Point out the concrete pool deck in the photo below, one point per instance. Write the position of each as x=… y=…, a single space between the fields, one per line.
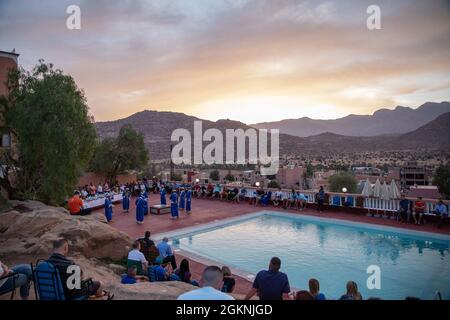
x=210 y=211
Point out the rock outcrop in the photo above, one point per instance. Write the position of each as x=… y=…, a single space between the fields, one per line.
x=28 y=230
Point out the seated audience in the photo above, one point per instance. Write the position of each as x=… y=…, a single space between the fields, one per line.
x=146 y=243
x=184 y=273
x=22 y=278
x=75 y=205
x=242 y=194
x=304 y=295
x=301 y=200
x=419 y=210
x=137 y=256
x=290 y=200
x=352 y=292
x=278 y=197
x=166 y=252
x=59 y=260
x=441 y=211
x=271 y=284
x=228 y=280
x=161 y=272
x=314 y=289
x=210 y=285
x=404 y=212
x=131 y=277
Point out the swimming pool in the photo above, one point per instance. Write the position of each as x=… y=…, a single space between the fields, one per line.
x=333 y=251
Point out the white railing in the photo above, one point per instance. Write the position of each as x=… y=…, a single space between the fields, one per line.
x=335 y=198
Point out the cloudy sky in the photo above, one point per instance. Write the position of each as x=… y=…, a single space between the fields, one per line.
x=248 y=60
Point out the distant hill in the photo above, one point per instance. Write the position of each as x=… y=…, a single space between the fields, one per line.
x=157 y=128
x=384 y=121
x=435 y=133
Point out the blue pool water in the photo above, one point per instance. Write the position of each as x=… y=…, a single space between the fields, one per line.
x=331 y=252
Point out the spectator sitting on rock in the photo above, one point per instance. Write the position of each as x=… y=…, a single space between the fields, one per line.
x=60 y=261
x=131 y=277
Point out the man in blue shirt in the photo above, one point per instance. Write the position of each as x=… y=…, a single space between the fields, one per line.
x=271 y=284
x=166 y=252
x=131 y=277
x=441 y=211
x=404 y=212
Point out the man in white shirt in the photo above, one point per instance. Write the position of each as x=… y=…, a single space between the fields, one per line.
x=137 y=255
x=210 y=283
x=100 y=189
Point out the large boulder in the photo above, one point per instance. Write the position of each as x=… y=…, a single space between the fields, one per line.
x=29 y=230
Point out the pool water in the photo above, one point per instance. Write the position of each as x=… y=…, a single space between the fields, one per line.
x=330 y=251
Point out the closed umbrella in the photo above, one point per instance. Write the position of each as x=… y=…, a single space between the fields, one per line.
x=376 y=192
x=367 y=190
x=395 y=193
x=385 y=196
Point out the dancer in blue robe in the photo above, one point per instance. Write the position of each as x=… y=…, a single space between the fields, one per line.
x=146 y=198
x=182 y=199
x=163 y=196
x=140 y=203
x=188 y=200
x=174 y=204
x=126 y=201
x=108 y=208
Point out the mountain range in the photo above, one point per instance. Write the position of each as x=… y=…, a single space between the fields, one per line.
x=384 y=121
x=157 y=128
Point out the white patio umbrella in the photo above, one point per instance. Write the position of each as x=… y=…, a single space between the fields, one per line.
x=385 y=194
x=394 y=192
x=376 y=192
x=367 y=190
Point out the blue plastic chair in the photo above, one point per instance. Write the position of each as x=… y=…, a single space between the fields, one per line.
x=48 y=283
x=266 y=199
x=350 y=201
x=336 y=201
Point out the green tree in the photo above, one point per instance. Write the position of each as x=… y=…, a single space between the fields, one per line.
x=49 y=116
x=177 y=177
x=114 y=156
x=273 y=184
x=214 y=175
x=230 y=177
x=442 y=180
x=342 y=180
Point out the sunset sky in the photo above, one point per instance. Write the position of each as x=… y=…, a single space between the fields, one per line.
x=247 y=60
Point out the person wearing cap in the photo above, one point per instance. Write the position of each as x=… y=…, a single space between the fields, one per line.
x=108 y=207
x=174 y=205
x=166 y=252
x=188 y=200
x=75 y=205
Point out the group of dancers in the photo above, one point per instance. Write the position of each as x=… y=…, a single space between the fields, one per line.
x=180 y=200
